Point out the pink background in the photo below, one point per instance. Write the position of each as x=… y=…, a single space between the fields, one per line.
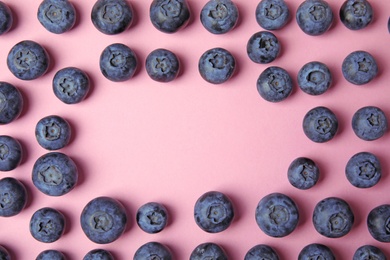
x=140 y=140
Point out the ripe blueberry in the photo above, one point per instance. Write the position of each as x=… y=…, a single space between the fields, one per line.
x=153 y=250
x=369 y=123
x=71 y=85
x=303 y=173
x=263 y=47
x=11 y=103
x=359 y=67
x=51 y=254
x=208 y=250
x=6 y=18
x=363 y=170
x=47 y=225
x=316 y=251
x=152 y=217
x=53 y=132
x=10 y=153
x=368 y=252
x=272 y=14
x=98 y=254
x=13 y=197
x=320 y=124
x=261 y=251
x=4 y=254
x=378 y=223
x=169 y=16
x=314 y=78
x=162 y=65
x=219 y=16
x=274 y=84
x=57 y=16
x=356 y=14
x=314 y=17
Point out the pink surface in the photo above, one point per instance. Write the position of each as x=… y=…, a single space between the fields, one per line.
x=140 y=140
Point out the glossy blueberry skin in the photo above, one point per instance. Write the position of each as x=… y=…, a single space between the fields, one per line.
x=333 y=217
x=359 y=68
x=261 y=251
x=263 y=47
x=47 y=225
x=10 y=153
x=320 y=124
x=219 y=16
x=213 y=212
x=208 y=250
x=51 y=255
x=153 y=250
x=303 y=173
x=363 y=170
x=314 y=17
x=71 y=85
x=13 y=197
x=217 y=65
x=152 y=217
x=272 y=14
x=4 y=254
x=11 y=103
x=28 y=60
x=369 y=123
x=103 y=220
x=169 y=16
x=356 y=14
x=368 y=252
x=274 y=84
x=316 y=251
x=53 y=132
x=314 y=78
x=277 y=215
x=6 y=18
x=98 y=254
x=118 y=62
x=162 y=65
x=57 y=16
x=378 y=223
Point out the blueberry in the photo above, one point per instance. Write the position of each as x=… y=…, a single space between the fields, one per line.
x=219 y=16
x=98 y=254
x=28 y=60
x=260 y=252
x=53 y=132
x=217 y=65
x=153 y=250
x=359 y=67
x=303 y=173
x=274 y=84
x=152 y=217
x=51 y=255
x=320 y=124
x=263 y=47
x=208 y=250
x=272 y=14
x=316 y=251
x=277 y=215
x=169 y=16
x=388 y=25
x=10 y=153
x=213 y=212
x=162 y=65
x=13 y=197
x=378 y=223
x=47 y=225
x=6 y=18
x=368 y=252
x=112 y=16
x=363 y=170
x=369 y=123
x=333 y=217
x=11 y=103
x=103 y=220
x=118 y=62
x=57 y=16
x=4 y=254
x=356 y=14
x=314 y=17
x=71 y=85
x=314 y=78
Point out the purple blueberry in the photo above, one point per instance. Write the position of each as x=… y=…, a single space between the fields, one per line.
x=272 y=14
x=369 y=252
x=6 y=18
x=208 y=250
x=356 y=14
x=369 y=123
x=359 y=68
x=260 y=252
x=98 y=254
x=153 y=250
x=363 y=170
x=13 y=197
x=274 y=84
x=303 y=173
x=47 y=225
x=152 y=217
x=263 y=47
x=51 y=254
x=219 y=16
x=320 y=124
x=314 y=78
x=56 y=16
x=314 y=17
x=162 y=65
x=53 y=132
x=10 y=153
x=378 y=223
x=4 y=254
x=316 y=251
x=169 y=16
x=71 y=85
x=11 y=103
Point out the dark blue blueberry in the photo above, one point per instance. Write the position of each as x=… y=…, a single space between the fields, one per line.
x=314 y=17
x=153 y=250
x=118 y=62
x=363 y=170
x=47 y=225
x=4 y=254
x=71 y=85
x=51 y=255
x=57 y=16
x=169 y=16
x=162 y=65
x=28 y=60
x=53 y=132
x=213 y=212
x=152 y=217
x=219 y=16
x=320 y=124
x=359 y=67
x=303 y=173
x=11 y=103
x=217 y=65
x=272 y=14
x=98 y=254
x=13 y=197
x=260 y=252
x=378 y=223
x=333 y=217
x=274 y=84
x=103 y=220
x=10 y=153
x=208 y=250
x=263 y=47
x=369 y=123
x=316 y=251
x=277 y=215
x=112 y=16
x=356 y=14
x=368 y=252
x=314 y=78
x=6 y=18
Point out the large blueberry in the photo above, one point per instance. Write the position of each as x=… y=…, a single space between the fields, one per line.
x=356 y=14
x=103 y=220
x=71 y=85
x=57 y=16
x=98 y=254
x=47 y=225
x=4 y=254
x=219 y=16
x=333 y=217
x=11 y=103
x=53 y=132
x=152 y=217
x=169 y=16
x=213 y=212
x=272 y=14
x=260 y=252
x=316 y=251
x=314 y=17
x=303 y=173
x=369 y=123
x=13 y=197
x=277 y=215
x=162 y=65
x=153 y=250
x=368 y=252
x=208 y=250
x=320 y=124
x=359 y=67
x=274 y=84
x=314 y=78
x=28 y=60
x=378 y=223
x=6 y=18
x=363 y=170
x=51 y=254
x=263 y=47
x=10 y=153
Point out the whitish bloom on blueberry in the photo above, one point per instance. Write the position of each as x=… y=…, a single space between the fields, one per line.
x=51 y=175
x=53 y=13
x=112 y=13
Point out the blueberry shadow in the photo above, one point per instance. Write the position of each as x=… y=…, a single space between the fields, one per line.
x=129 y=215
x=173 y=252
x=29 y=195
x=15 y=17
x=77 y=14
x=140 y=62
x=192 y=15
x=236 y=206
x=385 y=167
x=136 y=10
x=181 y=66
x=52 y=59
x=171 y=216
x=80 y=170
x=73 y=130
x=11 y=251
x=92 y=85
x=359 y=215
x=240 y=16
x=26 y=102
x=25 y=152
x=302 y=211
x=68 y=223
